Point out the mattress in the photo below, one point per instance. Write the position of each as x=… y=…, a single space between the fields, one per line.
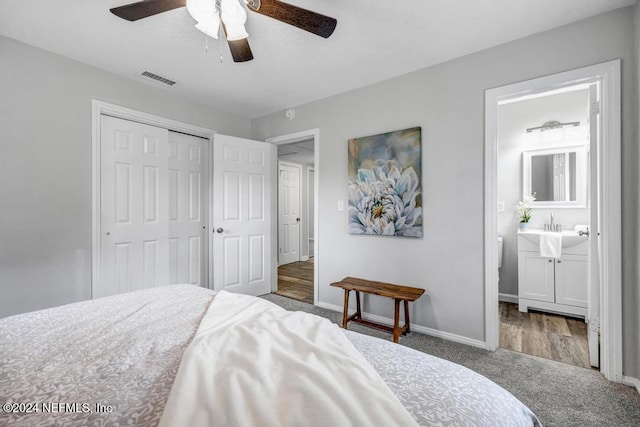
x=113 y=361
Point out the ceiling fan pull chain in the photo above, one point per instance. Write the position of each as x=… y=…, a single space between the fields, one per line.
x=220 y=34
x=220 y=43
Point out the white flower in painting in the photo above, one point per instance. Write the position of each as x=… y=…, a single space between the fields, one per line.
x=383 y=201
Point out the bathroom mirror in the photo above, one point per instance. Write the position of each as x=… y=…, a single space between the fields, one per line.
x=557 y=177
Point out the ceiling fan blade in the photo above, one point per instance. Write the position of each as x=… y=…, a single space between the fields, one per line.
x=304 y=19
x=146 y=8
x=240 y=50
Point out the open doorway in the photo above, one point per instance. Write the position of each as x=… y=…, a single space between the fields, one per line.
x=296 y=219
x=602 y=274
x=543 y=152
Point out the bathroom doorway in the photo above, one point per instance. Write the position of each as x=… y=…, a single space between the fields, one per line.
x=543 y=149
x=581 y=183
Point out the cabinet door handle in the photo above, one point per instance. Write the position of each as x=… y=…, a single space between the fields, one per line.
x=559 y=261
x=550 y=260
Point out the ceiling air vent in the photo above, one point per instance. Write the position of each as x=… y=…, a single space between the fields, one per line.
x=157 y=78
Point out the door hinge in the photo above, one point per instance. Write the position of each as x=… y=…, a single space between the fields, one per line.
x=595 y=107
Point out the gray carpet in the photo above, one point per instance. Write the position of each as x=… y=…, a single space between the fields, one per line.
x=559 y=394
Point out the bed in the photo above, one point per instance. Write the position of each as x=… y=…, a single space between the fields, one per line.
x=141 y=359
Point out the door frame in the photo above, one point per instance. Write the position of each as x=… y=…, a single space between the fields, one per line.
x=299 y=167
x=608 y=74
x=100 y=108
x=311 y=213
x=288 y=139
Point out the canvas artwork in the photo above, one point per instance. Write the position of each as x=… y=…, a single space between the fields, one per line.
x=385 y=184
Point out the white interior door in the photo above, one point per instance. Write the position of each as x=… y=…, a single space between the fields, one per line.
x=134 y=207
x=288 y=213
x=188 y=207
x=595 y=245
x=242 y=180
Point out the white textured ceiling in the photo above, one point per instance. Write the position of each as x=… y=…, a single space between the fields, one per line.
x=298 y=152
x=375 y=40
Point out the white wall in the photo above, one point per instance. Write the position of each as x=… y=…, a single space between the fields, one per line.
x=45 y=168
x=447 y=100
x=513 y=120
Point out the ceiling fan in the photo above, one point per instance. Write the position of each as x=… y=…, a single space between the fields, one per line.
x=209 y=14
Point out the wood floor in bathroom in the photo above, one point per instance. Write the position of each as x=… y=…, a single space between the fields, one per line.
x=295 y=281
x=551 y=336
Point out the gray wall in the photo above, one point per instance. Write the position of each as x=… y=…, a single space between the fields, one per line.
x=631 y=290
x=513 y=120
x=447 y=100
x=45 y=168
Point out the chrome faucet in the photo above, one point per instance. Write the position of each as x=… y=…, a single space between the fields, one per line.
x=552 y=226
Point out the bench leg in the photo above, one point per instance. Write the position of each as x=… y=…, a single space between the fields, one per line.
x=358 y=312
x=396 y=321
x=406 y=316
x=345 y=315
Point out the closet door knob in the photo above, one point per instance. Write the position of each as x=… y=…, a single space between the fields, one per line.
x=219 y=230
x=559 y=261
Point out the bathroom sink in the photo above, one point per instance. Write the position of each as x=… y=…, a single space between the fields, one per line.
x=569 y=238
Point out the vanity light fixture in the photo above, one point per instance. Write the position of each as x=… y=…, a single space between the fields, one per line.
x=553 y=124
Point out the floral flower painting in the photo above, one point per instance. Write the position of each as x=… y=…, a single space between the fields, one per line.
x=385 y=190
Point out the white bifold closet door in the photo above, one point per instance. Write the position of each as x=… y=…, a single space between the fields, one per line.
x=153 y=203
x=188 y=208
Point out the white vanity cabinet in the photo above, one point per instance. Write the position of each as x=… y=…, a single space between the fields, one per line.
x=553 y=284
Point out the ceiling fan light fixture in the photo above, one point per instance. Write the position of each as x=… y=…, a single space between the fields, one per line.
x=233 y=16
x=207 y=16
x=211 y=28
x=236 y=32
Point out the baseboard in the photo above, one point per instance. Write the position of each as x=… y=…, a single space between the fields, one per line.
x=631 y=381
x=304 y=258
x=508 y=298
x=417 y=328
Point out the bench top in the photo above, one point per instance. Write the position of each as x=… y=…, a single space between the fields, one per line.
x=388 y=290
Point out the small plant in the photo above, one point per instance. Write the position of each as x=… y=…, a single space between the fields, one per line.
x=523 y=208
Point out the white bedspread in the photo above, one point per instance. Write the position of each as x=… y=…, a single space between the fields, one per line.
x=253 y=363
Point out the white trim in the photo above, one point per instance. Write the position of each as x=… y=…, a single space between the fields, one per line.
x=99 y=108
x=492 y=316
x=416 y=328
x=309 y=213
x=508 y=298
x=288 y=139
x=631 y=381
x=608 y=74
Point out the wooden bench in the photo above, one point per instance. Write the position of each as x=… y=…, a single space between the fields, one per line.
x=396 y=292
